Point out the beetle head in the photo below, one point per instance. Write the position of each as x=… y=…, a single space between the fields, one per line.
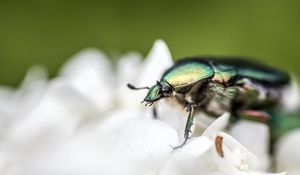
x=161 y=90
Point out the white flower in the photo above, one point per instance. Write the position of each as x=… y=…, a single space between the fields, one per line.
x=288 y=154
x=86 y=121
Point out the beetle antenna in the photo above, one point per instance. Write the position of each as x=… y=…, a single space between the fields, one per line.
x=130 y=86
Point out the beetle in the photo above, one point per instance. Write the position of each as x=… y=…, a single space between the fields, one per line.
x=216 y=85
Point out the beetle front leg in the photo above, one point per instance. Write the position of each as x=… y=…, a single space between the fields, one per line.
x=189 y=123
x=154 y=112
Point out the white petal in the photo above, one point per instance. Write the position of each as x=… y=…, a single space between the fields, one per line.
x=52 y=111
x=128 y=69
x=143 y=145
x=219 y=124
x=7 y=103
x=35 y=75
x=15 y=104
x=43 y=134
x=116 y=120
x=291 y=96
x=255 y=136
x=32 y=89
x=138 y=144
x=173 y=115
x=147 y=137
x=194 y=148
x=186 y=159
x=236 y=157
x=260 y=173
x=79 y=154
x=288 y=154
x=158 y=60
x=90 y=73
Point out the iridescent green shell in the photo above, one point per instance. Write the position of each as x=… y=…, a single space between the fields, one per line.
x=153 y=93
x=187 y=73
x=224 y=73
x=255 y=71
x=272 y=78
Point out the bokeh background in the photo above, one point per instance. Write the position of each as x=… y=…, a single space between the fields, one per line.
x=48 y=32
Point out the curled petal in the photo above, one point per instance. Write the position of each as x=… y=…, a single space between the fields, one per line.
x=157 y=61
x=255 y=136
x=235 y=156
x=218 y=125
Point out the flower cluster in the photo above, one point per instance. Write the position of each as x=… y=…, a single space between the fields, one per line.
x=86 y=121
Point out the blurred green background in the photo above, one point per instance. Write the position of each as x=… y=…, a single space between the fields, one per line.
x=48 y=32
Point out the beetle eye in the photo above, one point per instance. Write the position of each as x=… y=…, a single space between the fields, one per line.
x=166 y=91
x=163 y=89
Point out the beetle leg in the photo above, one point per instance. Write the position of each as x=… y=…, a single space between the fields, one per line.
x=154 y=112
x=189 y=123
x=259 y=116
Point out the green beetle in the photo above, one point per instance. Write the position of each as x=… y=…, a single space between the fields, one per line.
x=216 y=86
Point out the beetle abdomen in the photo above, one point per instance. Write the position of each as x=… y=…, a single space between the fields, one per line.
x=267 y=78
x=258 y=72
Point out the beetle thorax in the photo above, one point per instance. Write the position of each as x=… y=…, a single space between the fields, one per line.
x=191 y=94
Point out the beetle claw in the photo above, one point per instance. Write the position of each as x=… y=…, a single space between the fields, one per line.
x=181 y=145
